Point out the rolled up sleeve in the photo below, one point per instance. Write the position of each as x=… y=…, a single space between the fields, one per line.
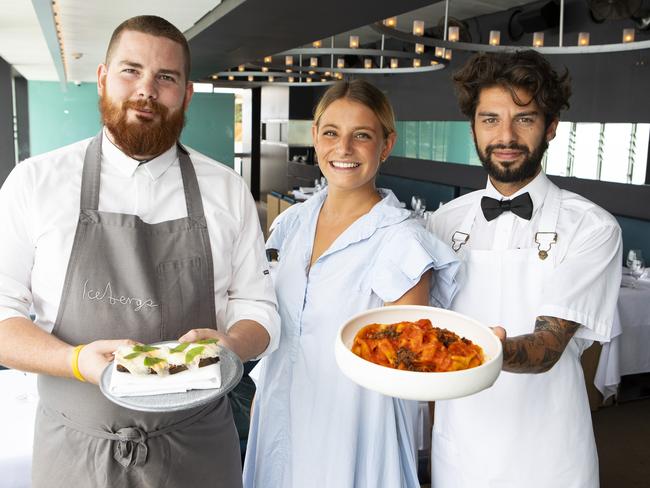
x=16 y=246
x=251 y=295
x=584 y=286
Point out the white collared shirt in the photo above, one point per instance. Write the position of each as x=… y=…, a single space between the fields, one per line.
x=39 y=209
x=584 y=284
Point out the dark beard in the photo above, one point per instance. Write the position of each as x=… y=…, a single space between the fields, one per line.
x=526 y=171
x=145 y=138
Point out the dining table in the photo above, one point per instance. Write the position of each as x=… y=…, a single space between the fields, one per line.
x=17 y=414
x=628 y=351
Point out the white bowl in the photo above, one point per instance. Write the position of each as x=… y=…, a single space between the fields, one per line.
x=414 y=385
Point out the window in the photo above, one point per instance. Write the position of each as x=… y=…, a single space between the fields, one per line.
x=616 y=152
x=606 y=152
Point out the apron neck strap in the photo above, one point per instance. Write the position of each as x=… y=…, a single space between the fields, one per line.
x=546 y=235
x=550 y=210
x=90 y=175
x=90 y=179
x=190 y=184
x=461 y=236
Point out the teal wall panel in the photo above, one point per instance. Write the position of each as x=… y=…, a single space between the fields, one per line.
x=445 y=141
x=411 y=139
x=57 y=118
x=210 y=126
x=398 y=148
x=459 y=143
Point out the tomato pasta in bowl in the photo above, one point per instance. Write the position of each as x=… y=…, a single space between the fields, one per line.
x=416 y=346
x=418 y=353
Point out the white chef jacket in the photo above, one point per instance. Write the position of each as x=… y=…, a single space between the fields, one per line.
x=584 y=285
x=39 y=209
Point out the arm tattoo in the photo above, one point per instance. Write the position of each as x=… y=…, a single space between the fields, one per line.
x=539 y=351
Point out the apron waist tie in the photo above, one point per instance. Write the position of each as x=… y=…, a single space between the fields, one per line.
x=131 y=446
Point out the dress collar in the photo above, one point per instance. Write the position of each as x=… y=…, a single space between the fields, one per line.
x=384 y=213
x=126 y=165
x=537 y=189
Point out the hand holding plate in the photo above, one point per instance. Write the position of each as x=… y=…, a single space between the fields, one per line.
x=94 y=357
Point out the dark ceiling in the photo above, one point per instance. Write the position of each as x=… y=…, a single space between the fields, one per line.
x=240 y=31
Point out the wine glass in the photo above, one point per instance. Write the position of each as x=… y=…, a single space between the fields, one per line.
x=418 y=206
x=633 y=254
x=637 y=267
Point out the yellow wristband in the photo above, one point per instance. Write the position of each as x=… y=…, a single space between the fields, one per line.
x=75 y=363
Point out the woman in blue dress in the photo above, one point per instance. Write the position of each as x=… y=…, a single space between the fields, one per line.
x=349 y=248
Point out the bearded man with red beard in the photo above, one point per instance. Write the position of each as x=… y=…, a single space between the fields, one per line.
x=126 y=237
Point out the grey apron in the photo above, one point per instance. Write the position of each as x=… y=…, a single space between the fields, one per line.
x=147 y=282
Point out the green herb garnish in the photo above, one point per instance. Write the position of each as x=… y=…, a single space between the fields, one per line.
x=208 y=341
x=133 y=355
x=149 y=362
x=192 y=353
x=144 y=348
x=180 y=348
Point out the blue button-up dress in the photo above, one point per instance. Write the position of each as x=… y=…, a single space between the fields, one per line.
x=311 y=426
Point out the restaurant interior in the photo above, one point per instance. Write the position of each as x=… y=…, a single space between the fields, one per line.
x=259 y=68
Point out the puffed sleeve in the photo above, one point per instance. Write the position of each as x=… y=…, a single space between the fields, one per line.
x=16 y=244
x=584 y=286
x=406 y=254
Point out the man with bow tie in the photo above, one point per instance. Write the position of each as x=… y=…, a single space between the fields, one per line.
x=545 y=265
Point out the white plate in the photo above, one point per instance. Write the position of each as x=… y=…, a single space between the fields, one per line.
x=413 y=385
x=231 y=373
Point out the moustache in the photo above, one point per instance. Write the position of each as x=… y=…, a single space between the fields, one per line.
x=148 y=105
x=513 y=146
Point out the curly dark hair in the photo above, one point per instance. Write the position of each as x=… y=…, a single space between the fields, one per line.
x=526 y=69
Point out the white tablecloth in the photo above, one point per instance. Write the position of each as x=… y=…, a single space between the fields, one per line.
x=17 y=413
x=629 y=350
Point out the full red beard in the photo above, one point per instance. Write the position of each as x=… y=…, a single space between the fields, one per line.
x=146 y=138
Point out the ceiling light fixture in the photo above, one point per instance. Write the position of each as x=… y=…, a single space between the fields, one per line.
x=390 y=22
x=454 y=33
x=324 y=65
x=418 y=27
x=628 y=42
x=495 y=38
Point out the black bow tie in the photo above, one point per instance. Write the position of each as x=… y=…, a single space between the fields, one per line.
x=522 y=206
